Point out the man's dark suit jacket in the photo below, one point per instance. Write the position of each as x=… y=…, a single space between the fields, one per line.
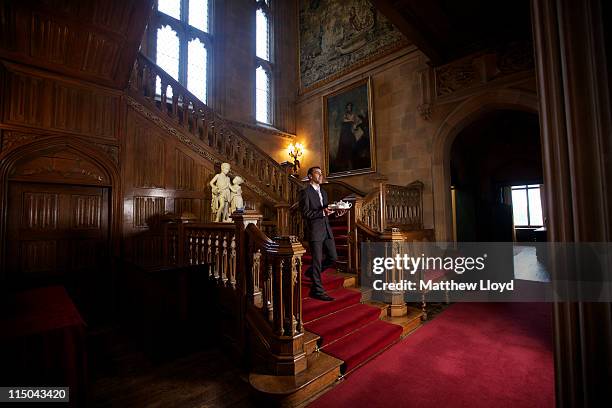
x=316 y=225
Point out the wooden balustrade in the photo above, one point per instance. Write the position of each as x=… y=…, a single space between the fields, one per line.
x=392 y=206
x=389 y=213
x=404 y=206
x=187 y=243
x=164 y=95
x=262 y=275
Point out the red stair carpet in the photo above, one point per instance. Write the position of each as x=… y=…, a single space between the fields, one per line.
x=349 y=330
x=472 y=355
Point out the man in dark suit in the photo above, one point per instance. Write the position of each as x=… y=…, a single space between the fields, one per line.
x=313 y=205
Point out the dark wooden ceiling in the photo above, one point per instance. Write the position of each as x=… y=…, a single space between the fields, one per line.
x=448 y=29
x=94 y=40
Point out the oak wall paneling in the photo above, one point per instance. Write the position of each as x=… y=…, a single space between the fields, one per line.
x=96 y=41
x=47 y=102
x=161 y=176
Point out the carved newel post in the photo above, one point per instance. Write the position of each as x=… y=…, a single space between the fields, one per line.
x=395 y=298
x=245 y=281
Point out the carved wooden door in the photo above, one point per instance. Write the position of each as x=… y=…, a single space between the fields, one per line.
x=59 y=233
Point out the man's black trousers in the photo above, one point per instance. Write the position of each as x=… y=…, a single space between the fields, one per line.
x=318 y=265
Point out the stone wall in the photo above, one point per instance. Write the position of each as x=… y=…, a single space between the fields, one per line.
x=410 y=122
x=234 y=67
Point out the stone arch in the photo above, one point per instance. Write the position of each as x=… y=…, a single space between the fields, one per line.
x=97 y=158
x=458 y=119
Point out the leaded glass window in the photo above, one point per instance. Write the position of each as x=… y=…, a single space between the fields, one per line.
x=263 y=58
x=181 y=43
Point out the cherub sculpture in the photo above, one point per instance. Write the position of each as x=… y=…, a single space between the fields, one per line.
x=237 y=203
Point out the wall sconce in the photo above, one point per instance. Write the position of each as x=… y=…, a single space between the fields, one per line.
x=295 y=152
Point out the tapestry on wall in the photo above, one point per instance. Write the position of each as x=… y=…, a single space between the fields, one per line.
x=337 y=36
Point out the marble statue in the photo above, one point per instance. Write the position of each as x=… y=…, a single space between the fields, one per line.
x=221 y=194
x=237 y=203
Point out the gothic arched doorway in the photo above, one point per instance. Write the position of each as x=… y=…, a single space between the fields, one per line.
x=462 y=116
x=493 y=159
x=59 y=224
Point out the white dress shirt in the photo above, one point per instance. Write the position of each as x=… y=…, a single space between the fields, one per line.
x=317 y=188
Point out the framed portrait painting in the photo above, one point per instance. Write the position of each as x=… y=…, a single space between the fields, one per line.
x=348 y=130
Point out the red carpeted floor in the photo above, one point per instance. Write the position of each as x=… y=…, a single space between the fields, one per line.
x=349 y=330
x=471 y=355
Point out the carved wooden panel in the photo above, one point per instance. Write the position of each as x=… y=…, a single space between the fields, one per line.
x=149 y=172
x=185 y=171
x=182 y=205
x=57 y=105
x=206 y=213
x=85 y=253
x=147 y=249
x=113 y=15
x=203 y=177
x=85 y=211
x=55 y=230
x=38 y=256
x=12 y=139
x=25 y=100
x=111 y=151
x=61 y=166
x=92 y=40
x=83 y=111
x=40 y=211
x=147 y=210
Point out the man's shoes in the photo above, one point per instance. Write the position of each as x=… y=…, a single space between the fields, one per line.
x=322 y=296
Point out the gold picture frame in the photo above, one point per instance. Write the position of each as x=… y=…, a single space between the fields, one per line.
x=349 y=141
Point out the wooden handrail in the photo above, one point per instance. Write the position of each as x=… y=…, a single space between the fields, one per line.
x=261 y=276
x=263 y=175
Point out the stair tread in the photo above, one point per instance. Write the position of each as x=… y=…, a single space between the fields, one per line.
x=327 y=275
x=318 y=364
x=334 y=327
x=364 y=343
x=310 y=336
x=330 y=280
x=313 y=308
x=331 y=269
x=338 y=228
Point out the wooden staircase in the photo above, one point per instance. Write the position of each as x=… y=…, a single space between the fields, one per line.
x=294 y=346
x=340 y=336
